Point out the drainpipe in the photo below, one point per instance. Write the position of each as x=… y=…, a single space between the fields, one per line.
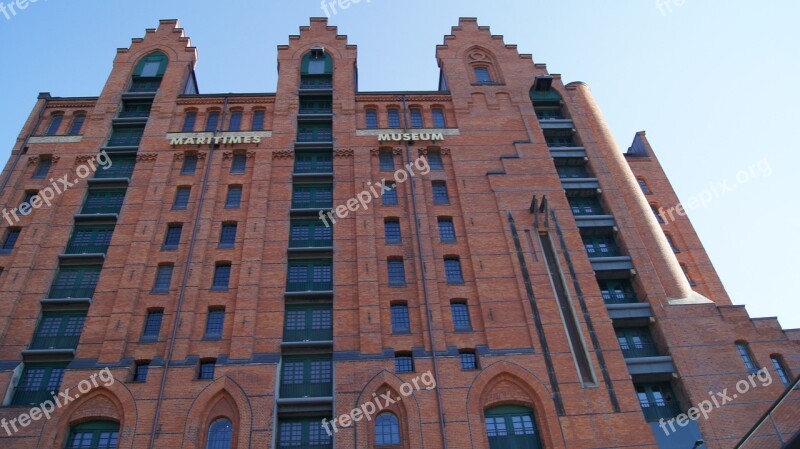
x=424 y=283
x=212 y=146
x=24 y=148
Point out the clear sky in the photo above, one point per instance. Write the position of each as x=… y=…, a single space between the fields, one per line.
x=714 y=84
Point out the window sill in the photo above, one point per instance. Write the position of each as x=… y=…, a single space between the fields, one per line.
x=5 y=251
x=232 y=207
x=219 y=289
x=439 y=203
x=169 y=248
x=455 y=283
x=407 y=332
x=159 y=292
x=398 y=285
x=212 y=337
x=447 y=241
x=227 y=246
x=148 y=340
x=180 y=208
x=463 y=329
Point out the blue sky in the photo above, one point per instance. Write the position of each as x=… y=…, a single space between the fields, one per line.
x=714 y=84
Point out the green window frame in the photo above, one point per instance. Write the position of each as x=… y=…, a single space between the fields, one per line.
x=636 y=342
x=103 y=201
x=657 y=401
x=307 y=433
x=94 y=435
x=122 y=166
x=310 y=322
x=317 y=132
x=316 y=105
x=512 y=427
x=59 y=330
x=135 y=109
x=309 y=275
x=572 y=171
x=313 y=162
x=75 y=281
x=310 y=234
x=90 y=240
x=126 y=136
x=306 y=376
x=601 y=246
x=585 y=205
x=39 y=382
x=617 y=291
x=312 y=196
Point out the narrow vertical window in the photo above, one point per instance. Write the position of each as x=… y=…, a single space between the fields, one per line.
x=55 y=123
x=227 y=236
x=163 y=279
x=747 y=356
x=77 y=124
x=387 y=430
x=222 y=276
x=394 y=118
x=181 y=198
x=460 y=312
x=438 y=118
x=386 y=160
x=447 y=232
x=643 y=185
x=234 y=198
x=400 y=322
x=397 y=272
x=220 y=434
x=482 y=75
x=45 y=162
x=391 y=228
x=390 y=196
x=672 y=244
x=416 y=118
x=189 y=164
x=452 y=270
x=140 y=373
x=206 y=371
x=780 y=368
x=239 y=162
x=189 y=121
x=12 y=234
x=152 y=324
x=214 y=323
x=235 y=123
x=440 y=195
x=372 y=118
x=173 y=236
x=212 y=121
x=258 y=120
x=435 y=160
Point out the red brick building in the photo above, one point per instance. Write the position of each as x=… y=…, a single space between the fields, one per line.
x=521 y=268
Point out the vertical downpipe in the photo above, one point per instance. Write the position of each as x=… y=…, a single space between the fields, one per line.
x=424 y=284
x=182 y=294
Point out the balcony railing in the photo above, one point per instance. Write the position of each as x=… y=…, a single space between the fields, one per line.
x=125 y=171
x=603 y=251
x=297 y=335
x=307 y=390
x=316 y=108
x=60 y=342
x=125 y=140
x=665 y=410
x=31 y=397
x=87 y=248
x=618 y=297
x=316 y=82
x=312 y=166
x=640 y=349
x=90 y=209
x=145 y=85
x=316 y=135
x=71 y=292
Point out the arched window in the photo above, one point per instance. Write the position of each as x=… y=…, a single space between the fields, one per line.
x=512 y=426
x=438 y=118
x=148 y=73
x=94 y=434
x=387 y=430
x=316 y=69
x=220 y=434
x=77 y=124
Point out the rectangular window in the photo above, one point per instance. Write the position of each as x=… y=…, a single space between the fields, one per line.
x=482 y=75
x=45 y=162
x=163 y=279
x=206 y=371
x=586 y=206
x=222 y=276
x=372 y=119
x=140 y=374
x=306 y=377
x=134 y=109
x=239 y=162
x=59 y=330
x=309 y=432
x=688 y=277
x=400 y=322
x=416 y=118
x=126 y=136
x=308 y=323
x=403 y=363
x=75 y=281
x=780 y=368
x=636 y=342
x=234 y=198
x=447 y=232
x=310 y=234
x=452 y=270
x=173 y=236
x=389 y=197
x=438 y=119
x=189 y=121
x=657 y=401
x=37 y=382
x=391 y=229
x=461 y=321
x=617 y=291
x=559 y=140
x=235 y=121
x=747 y=357
x=315 y=133
x=310 y=275
x=77 y=124
x=601 y=246
x=394 y=118
x=90 y=240
x=312 y=196
x=103 y=201
x=214 y=323
x=122 y=167
x=189 y=164
x=643 y=185
x=386 y=159
x=435 y=160
x=227 y=235
x=181 y=198
x=152 y=324
x=313 y=162
x=10 y=240
x=469 y=361
x=397 y=272
x=672 y=244
x=55 y=123
x=258 y=120
x=440 y=195
x=212 y=121
x=572 y=171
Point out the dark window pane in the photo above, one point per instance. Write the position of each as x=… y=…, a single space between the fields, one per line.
x=447 y=232
x=11 y=239
x=440 y=195
x=400 y=321
x=189 y=121
x=212 y=121
x=222 y=275
x=482 y=75
x=404 y=364
x=216 y=319
x=389 y=197
x=189 y=164
x=141 y=372
x=45 y=162
x=239 y=163
x=372 y=118
x=386 y=159
x=394 y=118
x=468 y=361
x=387 y=430
x=152 y=324
x=397 y=275
x=438 y=118
x=460 y=313
x=258 y=120
x=77 y=124
x=416 y=118
x=173 y=236
x=234 y=198
x=452 y=269
x=227 y=235
x=236 y=121
x=181 y=198
x=55 y=123
x=163 y=278
x=392 y=231
x=206 y=371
